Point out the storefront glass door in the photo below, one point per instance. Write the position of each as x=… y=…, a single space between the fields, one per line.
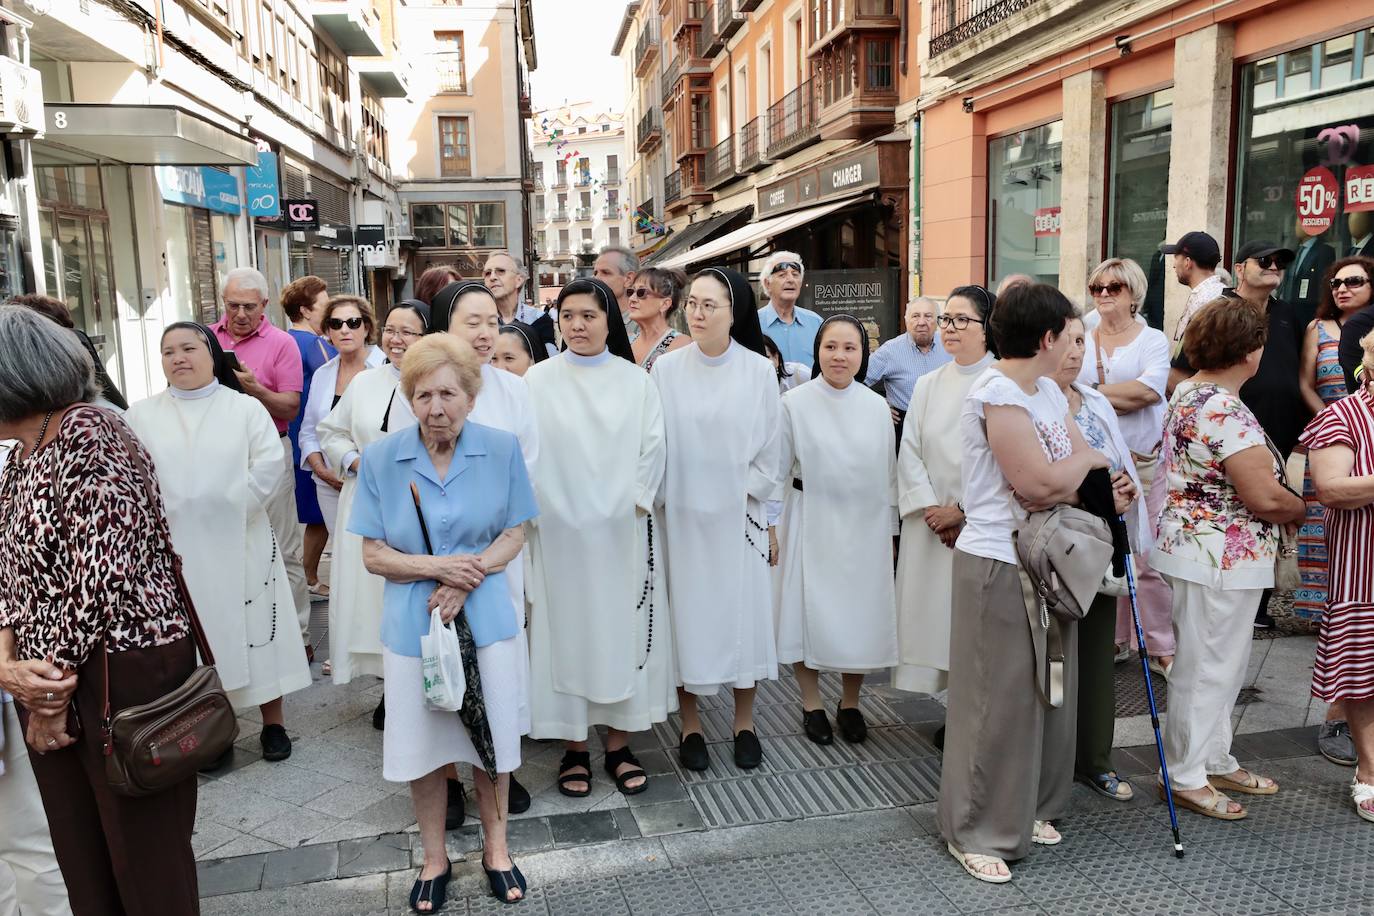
x=1024 y=185
x=1138 y=201
x=76 y=263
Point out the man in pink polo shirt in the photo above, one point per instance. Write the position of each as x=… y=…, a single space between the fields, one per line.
x=271 y=372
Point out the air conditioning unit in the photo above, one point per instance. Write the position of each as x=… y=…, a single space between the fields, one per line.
x=21 y=99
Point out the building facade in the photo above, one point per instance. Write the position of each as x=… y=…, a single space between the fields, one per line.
x=578 y=204
x=462 y=145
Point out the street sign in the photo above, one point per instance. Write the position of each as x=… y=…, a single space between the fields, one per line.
x=261 y=181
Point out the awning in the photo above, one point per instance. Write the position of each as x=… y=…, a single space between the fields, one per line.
x=752 y=234
x=138 y=135
x=698 y=232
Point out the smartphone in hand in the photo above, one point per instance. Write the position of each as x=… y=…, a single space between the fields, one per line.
x=232 y=361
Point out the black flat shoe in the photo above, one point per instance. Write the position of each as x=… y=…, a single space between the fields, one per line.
x=457 y=811
x=853 y=728
x=517 y=797
x=748 y=751
x=817 y=726
x=503 y=882
x=575 y=760
x=276 y=745
x=692 y=751
x=615 y=760
x=433 y=891
x=379 y=715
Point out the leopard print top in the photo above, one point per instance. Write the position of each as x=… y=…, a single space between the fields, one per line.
x=104 y=563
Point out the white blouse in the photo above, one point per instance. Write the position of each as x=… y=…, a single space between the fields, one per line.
x=1146 y=360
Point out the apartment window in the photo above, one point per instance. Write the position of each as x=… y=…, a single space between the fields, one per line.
x=586 y=200
x=455 y=151
x=283 y=52
x=459 y=225
x=612 y=169
x=584 y=171
x=539 y=209
x=333 y=88
x=605 y=128
x=374 y=130
x=878 y=65
x=562 y=240
x=614 y=237
x=449 y=62
x=543 y=241
x=562 y=203
x=539 y=172
x=561 y=167
x=612 y=200
x=216 y=10
x=586 y=239
x=268 y=56
x=289 y=53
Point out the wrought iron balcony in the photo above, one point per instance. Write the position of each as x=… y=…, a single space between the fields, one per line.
x=650 y=131
x=672 y=187
x=449 y=72
x=751 y=157
x=669 y=80
x=792 y=121
x=709 y=41
x=646 y=48
x=720 y=164
x=953 y=22
x=582 y=214
x=559 y=216
x=729 y=19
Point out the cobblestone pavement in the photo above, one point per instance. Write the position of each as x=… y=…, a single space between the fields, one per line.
x=841 y=829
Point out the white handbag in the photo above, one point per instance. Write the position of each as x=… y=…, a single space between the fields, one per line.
x=441 y=665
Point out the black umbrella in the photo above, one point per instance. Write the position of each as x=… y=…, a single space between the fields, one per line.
x=473 y=713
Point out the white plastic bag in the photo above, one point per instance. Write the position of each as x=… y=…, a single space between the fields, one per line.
x=441 y=665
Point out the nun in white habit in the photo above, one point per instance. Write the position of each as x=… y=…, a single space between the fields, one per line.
x=370 y=408
x=218 y=458
x=721 y=414
x=835 y=607
x=601 y=650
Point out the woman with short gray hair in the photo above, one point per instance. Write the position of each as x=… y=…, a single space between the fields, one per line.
x=90 y=592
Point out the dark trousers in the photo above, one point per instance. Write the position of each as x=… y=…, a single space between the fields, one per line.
x=1096 y=688
x=121 y=856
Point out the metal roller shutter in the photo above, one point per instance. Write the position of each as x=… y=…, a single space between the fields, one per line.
x=203 y=265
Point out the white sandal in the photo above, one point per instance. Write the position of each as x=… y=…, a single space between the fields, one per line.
x=1361 y=792
x=1040 y=836
x=973 y=862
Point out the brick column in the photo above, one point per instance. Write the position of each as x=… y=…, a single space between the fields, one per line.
x=1083 y=208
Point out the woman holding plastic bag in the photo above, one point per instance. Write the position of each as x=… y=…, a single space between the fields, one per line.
x=439 y=508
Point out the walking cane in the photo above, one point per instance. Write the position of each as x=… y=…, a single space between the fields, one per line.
x=1154 y=712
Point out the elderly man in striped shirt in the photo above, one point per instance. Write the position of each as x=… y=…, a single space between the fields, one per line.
x=898 y=363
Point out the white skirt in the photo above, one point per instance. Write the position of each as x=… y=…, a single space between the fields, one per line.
x=276 y=661
x=418 y=741
x=328 y=498
x=355 y=600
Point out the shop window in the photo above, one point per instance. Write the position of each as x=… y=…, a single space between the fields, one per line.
x=1024 y=186
x=1305 y=166
x=427 y=222
x=1138 y=198
x=459 y=225
x=455 y=152
x=489 y=225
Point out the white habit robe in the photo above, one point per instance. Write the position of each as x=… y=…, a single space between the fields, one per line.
x=218 y=459
x=355 y=595
x=721 y=415
x=590 y=616
x=929 y=474
x=835 y=603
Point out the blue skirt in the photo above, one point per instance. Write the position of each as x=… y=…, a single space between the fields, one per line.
x=307 y=505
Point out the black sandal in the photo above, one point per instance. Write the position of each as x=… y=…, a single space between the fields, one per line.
x=434 y=891
x=615 y=760
x=503 y=882
x=570 y=760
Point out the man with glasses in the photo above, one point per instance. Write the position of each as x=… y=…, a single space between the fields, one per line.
x=1273 y=394
x=898 y=363
x=270 y=370
x=505 y=275
x=793 y=329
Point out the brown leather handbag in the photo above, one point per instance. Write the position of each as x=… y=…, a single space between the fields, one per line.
x=154 y=746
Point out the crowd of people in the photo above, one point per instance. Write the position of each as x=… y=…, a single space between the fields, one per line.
x=618 y=519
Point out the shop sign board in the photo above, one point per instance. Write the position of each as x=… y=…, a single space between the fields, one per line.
x=837 y=177
x=1359 y=188
x=1316 y=200
x=870 y=294
x=302 y=214
x=370 y=240
x=261 y=182
x=1048 y=222
x=200 y=186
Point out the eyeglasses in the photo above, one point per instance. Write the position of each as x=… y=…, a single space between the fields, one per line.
x=1111 y=289
x=640 y=292
x=958 y=322
x=706 y=308
x=1351 y=283
x=1269 y=262
x=785 y=265
x=241 y=306
x=336 y=324
x=402 y=332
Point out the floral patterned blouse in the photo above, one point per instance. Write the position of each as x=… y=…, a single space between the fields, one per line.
x=103 y=563
x=1206 y=535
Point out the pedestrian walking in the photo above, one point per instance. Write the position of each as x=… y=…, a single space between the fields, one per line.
x=792 y=328
x=218 y=458
x=1217 y=543
x=901 y=361
x=106 y=613
x=601 y=643
x=836 y=609
x=721 y=414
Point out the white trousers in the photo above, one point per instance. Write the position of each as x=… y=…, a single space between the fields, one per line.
x=281 y=511
x=1213 y=629
x=30 y=881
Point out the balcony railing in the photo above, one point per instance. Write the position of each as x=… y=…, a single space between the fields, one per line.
x=582 y=214
x=645 y=210
x=792 y=121
x=611 y=210
x=691 y=13
x=583 y=180
x=612 y=177
x=646 y=47
x=448 y=69
x=953 y=22
x=729 y=18
x=748 y=6
x=560 y=181
x=559 y=216
x=650 y=131
x=672 y=187
x=541 y=215
x=720 y=163
x=709 y=41
x=751 y=157
x=669 y=79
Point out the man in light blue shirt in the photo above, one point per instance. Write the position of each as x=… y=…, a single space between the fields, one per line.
x=905 y=358
x=793 y=329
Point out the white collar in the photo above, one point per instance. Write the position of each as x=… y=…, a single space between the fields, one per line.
x=194 y=394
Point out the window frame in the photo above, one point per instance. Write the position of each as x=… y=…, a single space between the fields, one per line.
x=465 y=122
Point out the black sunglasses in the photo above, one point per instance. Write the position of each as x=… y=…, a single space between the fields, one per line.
x=785 y=265
x=336 y=324
x=1112 y=288
x=1269 y=262
x=1348 y=282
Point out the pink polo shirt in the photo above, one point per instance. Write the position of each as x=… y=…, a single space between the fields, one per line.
x=270 y=353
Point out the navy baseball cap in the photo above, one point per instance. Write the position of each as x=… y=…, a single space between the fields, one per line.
x=1262 y=248
x=1199 y=246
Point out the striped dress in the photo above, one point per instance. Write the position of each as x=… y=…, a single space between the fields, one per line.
x=1310 y=598
x=1344 y=669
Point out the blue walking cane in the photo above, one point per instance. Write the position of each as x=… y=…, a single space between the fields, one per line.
x=1154 y=711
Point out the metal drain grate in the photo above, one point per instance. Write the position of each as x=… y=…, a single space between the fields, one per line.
x=1130 y=691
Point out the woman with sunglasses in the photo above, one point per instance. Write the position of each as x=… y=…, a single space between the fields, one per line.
x=1127 y=362
x=1346 y=290
x=348 y=323
x=656 y=294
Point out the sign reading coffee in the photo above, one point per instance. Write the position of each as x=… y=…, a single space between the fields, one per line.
x=838 y=177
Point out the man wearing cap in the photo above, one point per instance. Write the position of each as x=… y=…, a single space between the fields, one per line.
x=1196 y=256
x=792 y=328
